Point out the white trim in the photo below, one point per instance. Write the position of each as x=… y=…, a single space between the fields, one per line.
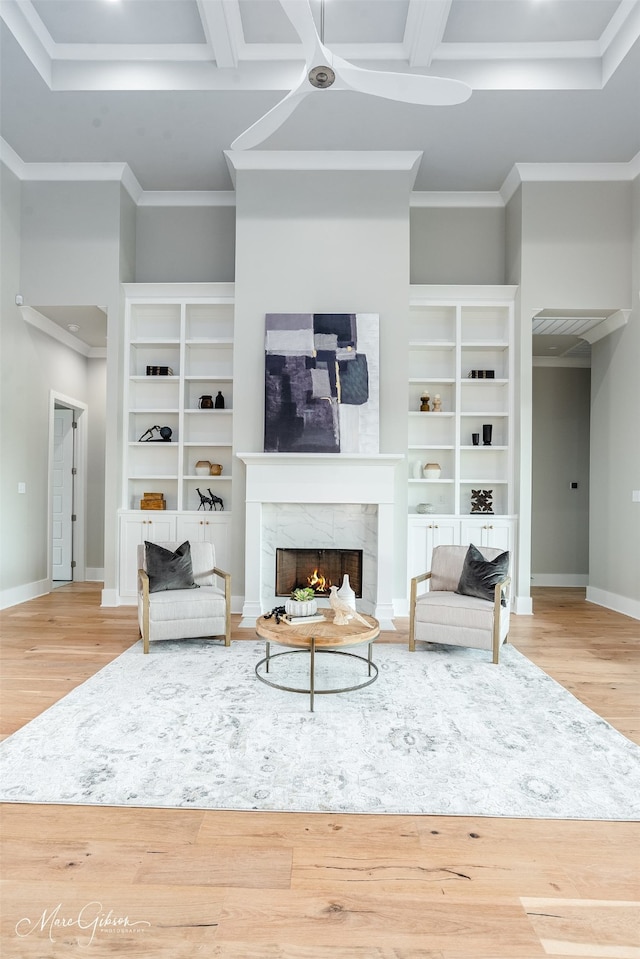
x=80 y=485
x=22 y=594
x=620 y=604
x=45 y=325
x=320 y=160
x=198 y=198
x=110 y=598
x=568 y=580
x=488 y=198
x=580 y=362
x=523 y=606
x=181 y=291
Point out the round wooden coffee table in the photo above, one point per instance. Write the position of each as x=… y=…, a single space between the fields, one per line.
x=318 y=637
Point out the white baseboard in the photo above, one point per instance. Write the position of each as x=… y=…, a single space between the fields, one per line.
x=93 y=575
x=21 y=594
x=620 y=604
x=560 y=579
x=522 y=606
x=110 y=597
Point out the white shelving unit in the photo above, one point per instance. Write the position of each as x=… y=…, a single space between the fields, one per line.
x=453 y=330
x=189 y=329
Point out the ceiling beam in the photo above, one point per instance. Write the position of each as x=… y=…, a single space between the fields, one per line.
x=424 y=30
x=217 y=19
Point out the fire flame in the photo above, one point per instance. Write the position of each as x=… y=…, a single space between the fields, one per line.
x=319 y=582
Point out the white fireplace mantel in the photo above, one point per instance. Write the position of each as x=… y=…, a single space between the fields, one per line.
x=333 y=478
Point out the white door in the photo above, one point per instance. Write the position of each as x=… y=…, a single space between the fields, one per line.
x=62 y=495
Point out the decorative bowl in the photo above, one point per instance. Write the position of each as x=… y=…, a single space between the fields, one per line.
x=425 y=508
x=202 y=468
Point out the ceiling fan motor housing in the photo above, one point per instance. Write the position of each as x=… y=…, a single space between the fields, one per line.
x=322 y=77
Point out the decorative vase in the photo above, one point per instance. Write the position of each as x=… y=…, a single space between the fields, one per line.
x=487 y=430
x=206 y=402
x=219 y=401
x=346 y=593
x=297 y=607
x=202 y=468
x=432 y=471
x=475 y=439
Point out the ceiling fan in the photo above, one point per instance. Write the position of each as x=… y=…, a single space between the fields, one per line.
x=324 y=70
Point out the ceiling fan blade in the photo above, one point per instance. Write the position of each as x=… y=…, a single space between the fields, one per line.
x=405 y=87
x=273 y=119
x=300 y=15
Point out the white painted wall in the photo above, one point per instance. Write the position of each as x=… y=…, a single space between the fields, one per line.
x=33 y=364
x=327 y=241
x=74 y=239
x=577 y=254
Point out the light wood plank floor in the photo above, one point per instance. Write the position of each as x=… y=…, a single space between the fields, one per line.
x=103 y=882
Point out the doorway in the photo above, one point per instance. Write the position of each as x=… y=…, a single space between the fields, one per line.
x=67 y=489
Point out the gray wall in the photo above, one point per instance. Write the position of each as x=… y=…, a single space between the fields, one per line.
x=33 y=364
x=560 y=456
x=615 y=447
x=451 y=245
x=328 y=242
x=74 y=239
x=185 y=244
x=577 y=254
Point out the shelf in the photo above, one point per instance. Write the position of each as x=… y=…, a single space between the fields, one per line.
x=434 y=446
x=190 y=331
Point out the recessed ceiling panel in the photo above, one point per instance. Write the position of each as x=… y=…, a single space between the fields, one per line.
x=140 y=21
x=345 y=21
x=527 y=21
x=264 y=21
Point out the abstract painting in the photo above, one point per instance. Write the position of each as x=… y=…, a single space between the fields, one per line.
x=321 y=383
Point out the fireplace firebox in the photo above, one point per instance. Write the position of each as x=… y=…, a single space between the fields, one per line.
x=319 y=568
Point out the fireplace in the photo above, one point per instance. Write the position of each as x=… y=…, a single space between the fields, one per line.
x=319 y=568
x=321 y=501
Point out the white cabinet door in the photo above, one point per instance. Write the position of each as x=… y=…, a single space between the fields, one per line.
x=206 y=529
x=134 y=530
x=487 y=531
x=425 y=533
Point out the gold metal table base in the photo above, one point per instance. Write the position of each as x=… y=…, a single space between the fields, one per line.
x=312 y=692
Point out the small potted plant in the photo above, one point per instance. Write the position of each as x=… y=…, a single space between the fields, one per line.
x=302 y=602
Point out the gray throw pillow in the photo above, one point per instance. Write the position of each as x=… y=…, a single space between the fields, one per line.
x=479 y=575
x=169 y=570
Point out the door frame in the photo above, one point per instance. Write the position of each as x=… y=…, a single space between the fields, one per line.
x=79 y=527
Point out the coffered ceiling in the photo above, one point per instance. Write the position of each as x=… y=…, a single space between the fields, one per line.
x=165 y=86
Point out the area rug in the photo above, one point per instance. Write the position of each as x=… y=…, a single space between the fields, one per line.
x=442 y=731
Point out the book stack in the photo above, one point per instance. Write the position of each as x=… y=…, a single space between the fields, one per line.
x=153 y=501
x=159 y=371
x=481 y=374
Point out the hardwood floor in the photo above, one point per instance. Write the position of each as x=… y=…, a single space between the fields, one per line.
x=102 y=882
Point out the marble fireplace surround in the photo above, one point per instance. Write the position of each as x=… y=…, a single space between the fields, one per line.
x=342 y=500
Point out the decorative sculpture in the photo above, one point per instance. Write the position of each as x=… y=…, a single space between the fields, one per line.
x=212 y=501
x=342 y=612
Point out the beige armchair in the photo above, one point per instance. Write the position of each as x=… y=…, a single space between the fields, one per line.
x=186 y=613
x=442 y=615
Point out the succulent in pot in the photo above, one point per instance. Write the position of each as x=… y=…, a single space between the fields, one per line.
x=302 y=602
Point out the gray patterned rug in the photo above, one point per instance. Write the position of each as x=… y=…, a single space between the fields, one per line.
x=442 y=731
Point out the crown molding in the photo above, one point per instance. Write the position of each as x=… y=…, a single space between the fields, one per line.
x=321 y=160
x=568 y=173
x=489 y=198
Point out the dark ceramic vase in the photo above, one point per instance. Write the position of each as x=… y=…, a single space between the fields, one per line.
x=487 y=430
